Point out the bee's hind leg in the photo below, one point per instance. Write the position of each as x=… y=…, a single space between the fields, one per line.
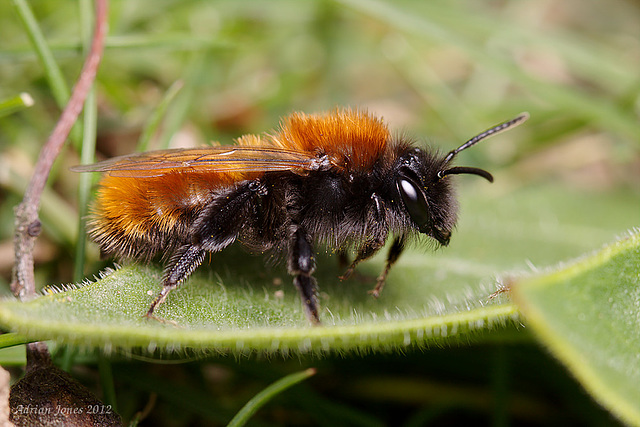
x=213 y=230
x=301 y=265
x=180 y=266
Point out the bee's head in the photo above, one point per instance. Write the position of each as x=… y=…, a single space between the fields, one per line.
x=425 y=191
x=428 y=199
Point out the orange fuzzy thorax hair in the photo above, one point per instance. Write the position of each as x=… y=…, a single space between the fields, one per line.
x=352 y=139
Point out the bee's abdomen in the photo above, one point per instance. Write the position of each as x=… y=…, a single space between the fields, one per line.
x=139 y=217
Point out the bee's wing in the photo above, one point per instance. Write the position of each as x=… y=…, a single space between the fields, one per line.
x=206 y=159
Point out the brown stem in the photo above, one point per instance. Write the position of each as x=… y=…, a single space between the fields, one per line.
x=27 y=224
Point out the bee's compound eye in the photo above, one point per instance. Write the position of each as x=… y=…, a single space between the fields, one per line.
x=416 y=203
x=408 y=190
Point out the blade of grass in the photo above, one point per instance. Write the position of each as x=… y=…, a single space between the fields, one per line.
x=90 y=125
x=13 y=356
x=260 y=399
x=158 y=115
x=177 y=116
x=53 y=73
x=14 y=104
x=177 y=42
x=85 y=181
x=106 y=382
x=11 y=339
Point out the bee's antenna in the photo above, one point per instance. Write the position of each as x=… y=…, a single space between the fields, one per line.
x=473 y=141
x=464 y=169
x=487 y=133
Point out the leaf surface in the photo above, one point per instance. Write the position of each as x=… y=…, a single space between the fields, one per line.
x=588 y=314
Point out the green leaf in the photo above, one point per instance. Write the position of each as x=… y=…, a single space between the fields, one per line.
x=217 y=314
x=588 y=313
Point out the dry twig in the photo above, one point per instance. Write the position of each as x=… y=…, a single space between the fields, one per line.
x=27 y=223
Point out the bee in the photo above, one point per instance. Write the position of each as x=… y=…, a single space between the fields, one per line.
x=338 y=179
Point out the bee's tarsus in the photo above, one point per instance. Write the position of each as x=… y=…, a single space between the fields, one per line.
x=301 y=265
x=396 y=249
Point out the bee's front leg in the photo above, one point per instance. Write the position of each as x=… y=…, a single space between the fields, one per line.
x=377 y=232
x=394 y=253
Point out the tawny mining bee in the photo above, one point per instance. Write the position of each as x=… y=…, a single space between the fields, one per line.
x=339 y=179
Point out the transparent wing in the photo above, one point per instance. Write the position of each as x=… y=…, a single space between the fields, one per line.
x=206 y=159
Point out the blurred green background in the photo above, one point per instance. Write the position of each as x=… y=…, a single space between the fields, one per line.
x=438 y=72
